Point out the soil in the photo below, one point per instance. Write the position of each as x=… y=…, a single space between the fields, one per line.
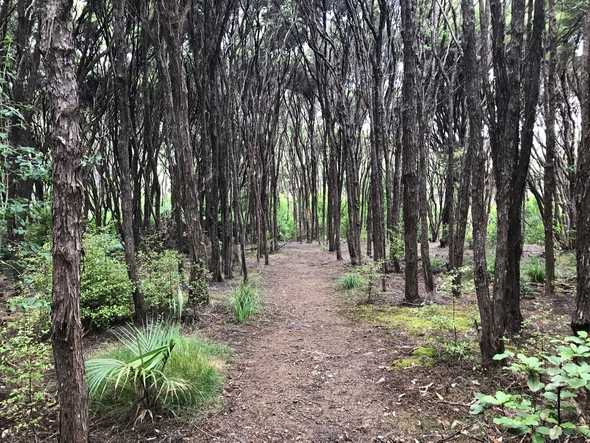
x=306 y=371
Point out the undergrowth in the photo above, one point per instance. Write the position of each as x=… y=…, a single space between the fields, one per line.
x=244 y=302
x=153 y=369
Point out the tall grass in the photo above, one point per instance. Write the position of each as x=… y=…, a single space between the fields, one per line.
x=535 y=270
x=351 y=281
x=244 y=301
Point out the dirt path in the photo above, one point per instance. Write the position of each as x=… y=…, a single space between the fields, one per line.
x=306 y=373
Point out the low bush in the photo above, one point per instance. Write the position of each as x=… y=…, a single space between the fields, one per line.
x=105 y=288
x=556 y=384
x=244 y=302
x=161 y=279
x=25 y=397
x=154 y=368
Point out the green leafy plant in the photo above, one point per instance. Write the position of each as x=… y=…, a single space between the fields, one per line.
x=371 y=272
x=437 y=264
x=24 y=360
x=535 y=270
x=454 y=350
x=350 y=281
x=105 y=288
x=555 y=382
x=154 y=368
x=396 y=244
x=161 y=280
x=244 y=302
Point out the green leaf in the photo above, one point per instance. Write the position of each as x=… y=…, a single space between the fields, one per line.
x=504 y=355
x=512 y=423
x=555 y=432
x=534 y=382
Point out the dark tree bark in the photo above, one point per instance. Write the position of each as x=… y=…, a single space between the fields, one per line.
x=489 y=342
x=122 y=100
x=550 y=142
x=410 y=151
x=581 y=316
x=174 y=73
x=68 y=199
x=423 y=201
x=511 y=146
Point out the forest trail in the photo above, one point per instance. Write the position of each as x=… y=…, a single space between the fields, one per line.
x=310 y=373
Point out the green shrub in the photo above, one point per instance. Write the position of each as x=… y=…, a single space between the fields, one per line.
x=437 y=264
x=161 y=279
x=105 y=289
x=534 y=232
x=154 y=368
x=350 y=281
x=244 y=302
x=287 y=228
x=454 y=350
x=24 y=360
x=535 y=270
x=556 y=384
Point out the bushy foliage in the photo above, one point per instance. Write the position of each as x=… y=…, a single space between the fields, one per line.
x=556 y=384
x=244 y=302
x=437 y=263
x=24 y=360
x=23 y=163
x=105 y=289
x=287 y=228
x=161 y=279
x=458 y=281
x=534 y=232
x=396 y=244
x=156 y=368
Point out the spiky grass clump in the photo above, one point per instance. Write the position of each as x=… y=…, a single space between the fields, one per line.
x=535 y=270
x=244 y=302
x=155 y=368
x=351 y=281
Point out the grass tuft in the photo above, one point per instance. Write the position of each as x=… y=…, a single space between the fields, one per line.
x=535 y=270
x=244 y=302
x=351 y=281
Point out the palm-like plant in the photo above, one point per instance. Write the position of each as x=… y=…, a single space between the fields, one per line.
x=140 y=367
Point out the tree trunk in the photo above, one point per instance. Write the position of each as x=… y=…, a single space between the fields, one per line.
x=581 y=316
x=489 y=341
x=177 y=98
x=122 y=101
x=423 y=201
x=67 y=220
x=550 y=142
x=410 y=151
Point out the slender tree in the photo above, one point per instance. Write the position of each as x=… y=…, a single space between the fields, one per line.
x=550 y=147
x=119 y=64
x=410 y=151
x=581 y=317
x=68 y=199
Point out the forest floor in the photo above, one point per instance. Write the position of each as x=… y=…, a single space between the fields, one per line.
x=320 y=365
x=305 y=371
